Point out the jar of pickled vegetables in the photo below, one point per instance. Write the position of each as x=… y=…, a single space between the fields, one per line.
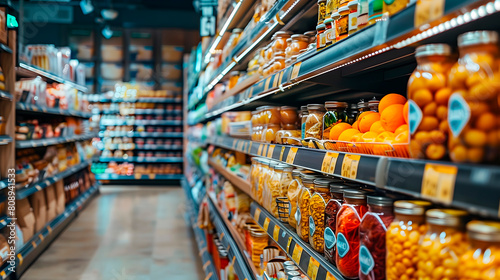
x=353 y=16
x=403 y=238
x=317 y=207
x=394 y=6
x=254 y=175
x=335 y=113
x=304 y=113
x=320 y=36
x=302 y=214
x=428 y=93
x=342 y=23
x=314 y=122
x=321 y=11
x=473 y=104
x=372 y=234
x=362 y=14
x=482 y=259
x=293 y=194
x=442 y=246
x=258 y=241
x=279 y=41
x=348 y=220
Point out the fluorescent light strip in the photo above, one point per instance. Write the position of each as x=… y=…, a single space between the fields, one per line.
x=258 y=41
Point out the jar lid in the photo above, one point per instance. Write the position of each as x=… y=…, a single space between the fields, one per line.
x=289 y=40
x=446 y=217
x=291 y=267
x=288 y=263
x=362 y=104
x=477 y=38
x=352 y=3
x=379 y=200
x=343 y=9
x=258 y=233
x=433 y=49
x=293 y=273
x=301 y=37
x=283 y=166
x=354 y=194
x=322 y=182
x=335 y=15
x=283 y=34
x=304 y=109
x=309 y=178
x=237 y=30
x=320 y=26
x=488 y=231
x=282 y=108
x=335 y=104
x=339 y=188
x=315 y=107
x=328 y=20
x=411 y=207
x=373 y=102
x=310 y=33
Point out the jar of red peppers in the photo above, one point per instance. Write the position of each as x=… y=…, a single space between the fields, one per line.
x=372 y=238
x=317 y=213
x=348 y=222
x=302 y=214
x=337 y=188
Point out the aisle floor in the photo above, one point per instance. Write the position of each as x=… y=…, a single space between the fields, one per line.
x=125 y=233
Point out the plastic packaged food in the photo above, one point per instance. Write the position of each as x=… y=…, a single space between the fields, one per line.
x=293 y=194
x=403 y=238
x=429 y=94
x=342 y=23
x=473 y=104
x=317 y=207
x=375 y=10
x=392 y=7
x=335 y=113
x=372 y=234
x=477 y=263
x=442 y=246
x=320 y=36
x=303 y=119
x=330 y=36
x=302 y=214
x=314 y=122
x=353 y=16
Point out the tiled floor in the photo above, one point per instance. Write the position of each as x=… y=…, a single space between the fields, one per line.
x=126 y=233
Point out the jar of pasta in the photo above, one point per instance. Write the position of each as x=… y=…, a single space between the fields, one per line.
x=289 y=117
x=317 y=207
x=258 y=241
x=314 y=122
x=428 y=93
x=254 y=174
x=403 y=238
x=275 y=188
x=342 y=23
x=373 y=105
x=473 y=105
x=335 y=113
x=302 y=214
x=482 y=259
x=372 y=234
x=304 y=113
x=394 y=6
x=293 y=194
x=265 y=169
x=442 y=246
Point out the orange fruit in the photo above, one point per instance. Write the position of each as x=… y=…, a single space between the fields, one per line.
x=458 y=154
x=405 y=112
x=392 y=117
x=337 y=129
x=402 y=128
x=355 y=125
x=437 y=137
x=364 y=114
x=475 y=138
x=422 y=97
x=415 y=150
x=384 y=137
x=442 y=96
x=422 y=137
x=475 y=155
x=443 y=126
x=430 y=109
x=357 y=138
x=390 y=99
x=347 y=134
x=493 y=139
x=428 y=124
x=377 y=127
x=458 y=75
x=442 y=112
x=486 y=121
x=435 y=151
x=402 y=138
x=369 y=136
x=415 y=83
x=366 y=121
x=436 y=82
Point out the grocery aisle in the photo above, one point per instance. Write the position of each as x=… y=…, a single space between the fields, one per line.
x=125 y=233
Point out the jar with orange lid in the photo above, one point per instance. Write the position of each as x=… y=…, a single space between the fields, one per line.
x=330 y=35
x=321 y=11
x=353 y=16
x=302 y=214
x=317 y=206
x=403 y=237
x=314 y=121
x=335 y=113
x=473 y=108
x=394 y=6
x=299 y=42
x=342 y=23
x=304 y=113
x=443 y=245
x=482 y=259
x=320 y=36
x=428 y=92
x=279 y=41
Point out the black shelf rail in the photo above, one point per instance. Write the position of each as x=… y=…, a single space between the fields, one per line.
x=139 y=177
x=143 y=159
x=33 y=71
x=53 y=111
x=52 y=141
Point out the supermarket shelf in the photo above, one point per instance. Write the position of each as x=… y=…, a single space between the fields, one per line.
x=139 y=177
x=5 y=95
x=418 y=178
x=26 y=70
x=52 y=141
x=4 y=220
x=143 y=112
x=143 y=134
x=42 y=239
x=53 y=111
x=33 y=188
x=158 y=147
x=4 y=183
x=5 y=139
x=142 y=100
x=236 y=180
x=143 y=159
x=139 y=122
x=305 y=257
x=5 y=273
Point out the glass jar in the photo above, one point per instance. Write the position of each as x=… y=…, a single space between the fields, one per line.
x=279 y=41
x=268 y=180
x=268 y=53
x=403 y=238
x=317 y=207
x=473 y=104
x=275 y=187
x=362 y=14
x=265 y=170
x=331 y=7
x=271 y=115
x=372 y=234
x=293 y=194
x=320 y=36
x=477 y=263
x=279 y=63
x=335 y=113
x=288 y=50
x=427 y=88
x=258 y=241
x=442 y=246
x=336 y=17
x=352 y=113
x=321 y=11
x=254 y=175
x=362 y=107
x=373 y=105
x=330 y=36
x=288 y=115
x=353 y=17
x=299 y=42
x=303 y=119
x=270 y=133
x=302 y=214
x=392 y=7
x=285 y=137
x=342 y=23
x=314 y=122
x=348 y=221
x=375 y=10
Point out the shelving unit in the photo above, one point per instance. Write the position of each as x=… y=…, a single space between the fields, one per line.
x=54 y=111
x=25 y=70
x=23 y=144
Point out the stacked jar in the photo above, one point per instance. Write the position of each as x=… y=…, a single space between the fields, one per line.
x=275 y=56
x=268 y=120
x=314 y=122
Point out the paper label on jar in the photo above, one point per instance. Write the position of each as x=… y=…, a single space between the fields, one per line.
x=342 y=245
x=415 y=116
x=330 y=238
x=353 y=21
x=312 y=226
x=322 y=38
x=330 y=35
x=366 y=261
x=458 y=114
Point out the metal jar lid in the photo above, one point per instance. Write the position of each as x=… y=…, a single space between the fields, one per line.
x=291 y=267
x=411 y=207
x=283 y=166
x=379 y=200
x=296 y=172
x=433 y=49
x=335 y=104
x=339 y=188
x=293 y=273
x=488 y=231
x=257 y=232
x=322 y=182
x=320 y=27
x=308 y=178
x=354 y=194
x=446 y=217
x=315 y=107
x=282 y=108
x=288 y=263
x=477 y=38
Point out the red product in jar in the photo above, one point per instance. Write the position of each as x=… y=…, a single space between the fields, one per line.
x=348 y=221
x=372 y=233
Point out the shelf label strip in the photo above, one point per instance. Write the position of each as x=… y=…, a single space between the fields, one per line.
x=312 y=268
x=276 y=233
x=291 y=155
x=329 y=162
x=270 y=151
x=438 y=182
x=350 y=166
x=297 y=253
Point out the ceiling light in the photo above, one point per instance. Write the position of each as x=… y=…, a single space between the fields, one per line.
x=107 y=32
x=86 y=6
x=109 y=14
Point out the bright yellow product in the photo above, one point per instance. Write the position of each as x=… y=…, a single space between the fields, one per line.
x=443 y=244
x=265 y=170
x=293 y=194
x=278 y=185
x=266 y=192
x=258 y=241
x=402 y=239
x=302 y=215
x=317 y=207
x=482 y=259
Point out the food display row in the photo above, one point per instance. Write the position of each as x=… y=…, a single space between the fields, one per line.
x=131 y=169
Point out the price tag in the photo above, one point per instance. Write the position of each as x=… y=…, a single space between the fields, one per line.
x=264 y=151
x=248 y=148
x=281 y=154
x=33 y=243
x=275 y=80
x=250 y=92
x=208 y=276
x=438 y=182
x=152 y=176
x=270 y=151
x=266 y=85
x=288 y=244
x=329 y=159
x=256 y=215
x=234 y=144
x=41 y=237
x=350 y=166
x=291 y=155
x=266 y=223
x=312 y=268
x=329 y=276
x=259 y=150
x=240 y=146
x=282 y=73
x=297 y=253
x=276 y=233
x=49 y=229
x=295 y=71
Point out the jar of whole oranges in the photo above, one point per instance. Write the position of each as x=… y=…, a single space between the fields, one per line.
x=482 y=259
x=428 y=93
x=403 y=238
x=473 y=106
x=443 y=244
